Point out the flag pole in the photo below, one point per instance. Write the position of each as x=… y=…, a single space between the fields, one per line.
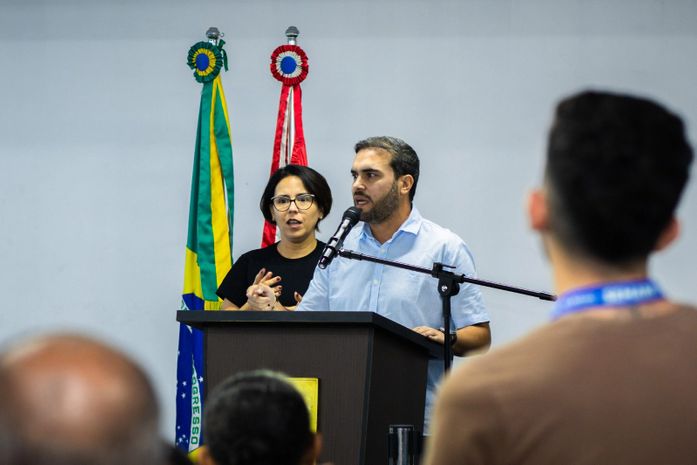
x=292 y=34
x=213 y=34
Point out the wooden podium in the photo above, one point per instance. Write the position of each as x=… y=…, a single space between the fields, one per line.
x=371 y=370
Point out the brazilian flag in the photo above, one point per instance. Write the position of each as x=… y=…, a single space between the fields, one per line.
x=209 y=240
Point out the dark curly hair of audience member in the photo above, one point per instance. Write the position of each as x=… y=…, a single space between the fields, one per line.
x=615 y=212
x=257 y=418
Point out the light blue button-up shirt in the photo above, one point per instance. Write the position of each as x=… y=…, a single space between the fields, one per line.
x=404 y=296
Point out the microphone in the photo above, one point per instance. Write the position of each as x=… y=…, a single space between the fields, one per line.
x=348 y=221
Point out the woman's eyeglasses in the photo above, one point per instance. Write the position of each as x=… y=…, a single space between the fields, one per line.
x=282 y=202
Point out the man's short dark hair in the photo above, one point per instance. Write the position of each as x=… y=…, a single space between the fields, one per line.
x=257 y=418
x=313 y=182
x=403 y=158
x=616 y=168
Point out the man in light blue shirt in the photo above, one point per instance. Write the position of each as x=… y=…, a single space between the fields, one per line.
x=385 y=173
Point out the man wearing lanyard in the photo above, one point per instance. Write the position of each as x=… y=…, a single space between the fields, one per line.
x=385 y=173
x=612 y=379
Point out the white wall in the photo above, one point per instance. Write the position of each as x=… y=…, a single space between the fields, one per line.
x=98 y=118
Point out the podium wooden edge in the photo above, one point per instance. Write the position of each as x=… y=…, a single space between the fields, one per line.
x=200 y=319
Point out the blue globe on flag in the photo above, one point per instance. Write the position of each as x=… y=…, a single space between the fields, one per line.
x=289 y=64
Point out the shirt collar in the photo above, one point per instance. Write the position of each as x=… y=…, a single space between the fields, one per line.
x=410 y=226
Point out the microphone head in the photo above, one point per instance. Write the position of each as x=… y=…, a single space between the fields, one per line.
x=353 y=214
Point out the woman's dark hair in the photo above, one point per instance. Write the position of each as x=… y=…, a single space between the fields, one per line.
x=256 y=418
x=313 y=182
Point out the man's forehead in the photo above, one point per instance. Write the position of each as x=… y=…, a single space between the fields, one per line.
x=372 y=158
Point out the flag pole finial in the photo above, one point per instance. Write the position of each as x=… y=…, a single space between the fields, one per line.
x=213 y=34
x=292 y=34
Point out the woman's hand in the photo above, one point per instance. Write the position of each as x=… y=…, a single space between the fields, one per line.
x=268 y=279
x=261 y=297
x=263 y=294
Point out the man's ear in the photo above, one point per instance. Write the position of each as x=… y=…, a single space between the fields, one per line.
x=406 y=182
x=538 y=213
x=204 y=457
x=669 y=234
x=311 y=455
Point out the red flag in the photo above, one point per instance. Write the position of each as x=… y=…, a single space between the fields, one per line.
x=289 y=66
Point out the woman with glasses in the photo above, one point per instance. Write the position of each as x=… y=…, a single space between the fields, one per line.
x=296 y=199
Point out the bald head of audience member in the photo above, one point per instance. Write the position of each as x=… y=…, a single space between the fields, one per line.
x=73 y=400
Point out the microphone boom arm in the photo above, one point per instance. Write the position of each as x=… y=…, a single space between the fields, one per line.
x=435 y=273
x=448 y=286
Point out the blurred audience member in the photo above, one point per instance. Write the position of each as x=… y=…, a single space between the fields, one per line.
x=176 y=456
x=611 y=380
x=257 y=418
x=71 y=400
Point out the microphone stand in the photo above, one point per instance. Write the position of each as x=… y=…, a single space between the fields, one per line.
x=448 y=286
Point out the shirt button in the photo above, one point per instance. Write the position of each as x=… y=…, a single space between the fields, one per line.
x=375 y=281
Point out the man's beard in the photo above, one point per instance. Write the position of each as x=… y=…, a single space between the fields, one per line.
x=383 y=208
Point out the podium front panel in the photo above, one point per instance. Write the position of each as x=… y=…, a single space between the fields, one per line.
x=371 y=371
x=337 y=356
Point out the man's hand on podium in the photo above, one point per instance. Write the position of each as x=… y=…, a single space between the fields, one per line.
x=433 y=334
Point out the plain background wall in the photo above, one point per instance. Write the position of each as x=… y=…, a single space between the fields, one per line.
x=98 y=119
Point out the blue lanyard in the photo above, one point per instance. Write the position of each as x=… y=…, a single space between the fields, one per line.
x=619 y=294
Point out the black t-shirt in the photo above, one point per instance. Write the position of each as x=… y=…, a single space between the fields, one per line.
x=295 y=273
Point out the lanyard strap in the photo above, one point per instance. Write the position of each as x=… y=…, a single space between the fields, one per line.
x=619 y=294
